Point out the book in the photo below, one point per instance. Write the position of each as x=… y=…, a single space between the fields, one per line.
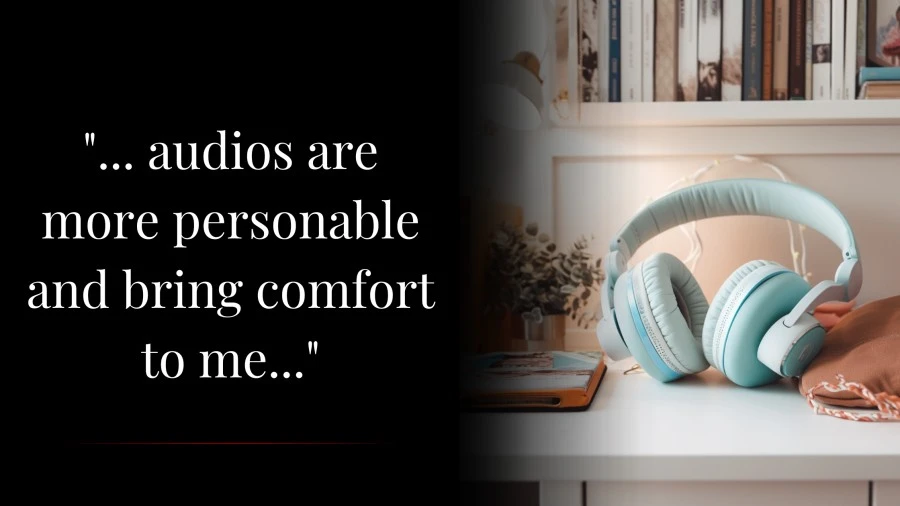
x=821 y=50
x=752 y=64
x=526 y=381
x=732 y=49
x=848 y=85
x=780 y=49
x=837 y=49
x=687 y=50
x=603 y=48
x=797 y=70
x=861 y=34
x=647 y=36
x=615 y=63
x=808 y=95
x=630 y=40
x=587 y=51
x=878 y=74
x=709 y=51
x=768 y=27
x=872 y=90
x=573 y=74
x=665 y=61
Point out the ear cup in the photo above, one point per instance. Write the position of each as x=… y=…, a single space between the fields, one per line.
x=660 y=309
x=718 y=302
x=756 y=296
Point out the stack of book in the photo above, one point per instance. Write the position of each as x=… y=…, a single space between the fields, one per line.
x=711 y=50
x=879 y=83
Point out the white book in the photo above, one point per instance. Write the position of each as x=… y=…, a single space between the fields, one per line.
x=821 y=50
x=603 y=51
x=837 y=49
x=849 y=88
x=630 y=44
x=648 y=41
x=709 y=51
x=732 y=49
x=687 y=50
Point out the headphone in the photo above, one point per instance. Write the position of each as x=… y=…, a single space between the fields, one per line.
x=759 y=326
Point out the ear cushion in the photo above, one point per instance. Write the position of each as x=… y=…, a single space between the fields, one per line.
x=678 y=306
x=644 y=309
x=718 y=302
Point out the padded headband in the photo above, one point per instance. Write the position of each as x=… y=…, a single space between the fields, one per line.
x=730 y=197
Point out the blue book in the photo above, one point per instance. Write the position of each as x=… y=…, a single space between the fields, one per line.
x=615 y=52
x=879 y=74
x=752 y=71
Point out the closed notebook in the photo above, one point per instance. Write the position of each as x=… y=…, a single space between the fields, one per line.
x=544 y=380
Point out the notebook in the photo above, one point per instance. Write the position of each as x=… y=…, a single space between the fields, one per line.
x=531 y=381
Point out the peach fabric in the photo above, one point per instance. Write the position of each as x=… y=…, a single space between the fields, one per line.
x=864 y=348
x=830 y=313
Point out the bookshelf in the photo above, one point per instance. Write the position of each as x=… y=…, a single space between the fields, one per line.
x=572 y=113
x=713 y=114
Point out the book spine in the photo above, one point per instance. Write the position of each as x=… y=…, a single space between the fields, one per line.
x=647 y=39
x=752 y=66
x=797 y=72
x=809 y=54
x=615 y=60
x=666 y=62
x=687 y=50
x=849 y=84
x=768 y=25
x=822 y=50
x=574 y=57
x=631 y=51
x=879 y=74
x=732 y=49
x=861 y=28
x=837 y=49
x=603 y=48
x=781 y=50
x=587 y=50
x=709 y=51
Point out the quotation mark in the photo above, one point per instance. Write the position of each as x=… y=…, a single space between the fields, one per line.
x=313 y=347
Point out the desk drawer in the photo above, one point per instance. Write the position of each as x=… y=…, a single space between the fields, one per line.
x=732 y=493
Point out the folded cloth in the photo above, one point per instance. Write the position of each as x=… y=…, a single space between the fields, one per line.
x=857 y=367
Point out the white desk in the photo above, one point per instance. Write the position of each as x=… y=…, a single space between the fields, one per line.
x=702 y=431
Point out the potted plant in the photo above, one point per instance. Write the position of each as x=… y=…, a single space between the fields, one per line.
x=529 y=276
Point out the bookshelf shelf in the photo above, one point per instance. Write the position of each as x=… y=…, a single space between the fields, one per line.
x=710 y=114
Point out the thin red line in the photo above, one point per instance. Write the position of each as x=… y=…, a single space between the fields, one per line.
x=312 y=443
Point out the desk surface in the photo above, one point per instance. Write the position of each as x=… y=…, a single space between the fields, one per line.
x=698 y=428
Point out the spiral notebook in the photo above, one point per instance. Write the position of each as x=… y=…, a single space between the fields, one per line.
x=531 y=381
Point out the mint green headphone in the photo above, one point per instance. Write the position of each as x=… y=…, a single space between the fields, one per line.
x=759 y=326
